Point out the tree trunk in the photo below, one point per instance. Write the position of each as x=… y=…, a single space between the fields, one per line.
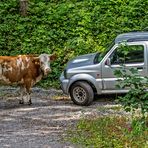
x=23 y=7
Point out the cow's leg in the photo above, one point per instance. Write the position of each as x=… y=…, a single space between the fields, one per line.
x=22 y=91
x=28 y=84
x=29 y=98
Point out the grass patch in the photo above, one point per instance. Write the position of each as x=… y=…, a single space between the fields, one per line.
x=109 y=132
x=113 y=107
x=60 y=97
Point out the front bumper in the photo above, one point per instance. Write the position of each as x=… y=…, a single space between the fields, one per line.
x=64 y=84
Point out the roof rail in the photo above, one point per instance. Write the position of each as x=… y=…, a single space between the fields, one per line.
x=137 y=39
x=136 y=31
x=145 y=29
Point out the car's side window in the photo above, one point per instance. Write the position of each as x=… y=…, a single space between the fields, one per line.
x=128 y=55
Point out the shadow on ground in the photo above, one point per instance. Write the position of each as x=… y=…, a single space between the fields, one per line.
x=43 y=124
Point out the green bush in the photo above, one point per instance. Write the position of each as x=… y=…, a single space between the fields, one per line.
x=68 y=28
x=135 y=100
x=137 y=96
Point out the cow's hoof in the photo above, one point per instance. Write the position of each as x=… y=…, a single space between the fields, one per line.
x=29 y=103
x=21 y=102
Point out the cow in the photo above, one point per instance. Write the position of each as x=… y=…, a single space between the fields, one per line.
x=25 y=71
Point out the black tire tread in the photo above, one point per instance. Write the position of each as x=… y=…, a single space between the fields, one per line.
x=89 y=90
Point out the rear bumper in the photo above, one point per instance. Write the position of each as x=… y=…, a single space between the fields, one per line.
x=64 y=84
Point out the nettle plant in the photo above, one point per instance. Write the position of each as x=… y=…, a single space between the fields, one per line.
x=136 y=100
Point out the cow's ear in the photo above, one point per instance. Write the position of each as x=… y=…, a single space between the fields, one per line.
x=52 y=57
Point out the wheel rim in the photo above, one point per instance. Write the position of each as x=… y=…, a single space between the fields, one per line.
x=79 y=94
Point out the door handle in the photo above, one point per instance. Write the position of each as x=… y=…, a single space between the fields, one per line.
x=139 y=68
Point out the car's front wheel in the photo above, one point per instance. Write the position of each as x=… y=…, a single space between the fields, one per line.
x=81 y=93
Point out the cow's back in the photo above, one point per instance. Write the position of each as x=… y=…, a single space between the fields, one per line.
x=14 y=68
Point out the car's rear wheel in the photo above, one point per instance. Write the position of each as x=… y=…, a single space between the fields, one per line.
x=81 y=93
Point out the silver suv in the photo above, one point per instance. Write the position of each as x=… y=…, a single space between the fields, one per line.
x=93 y=73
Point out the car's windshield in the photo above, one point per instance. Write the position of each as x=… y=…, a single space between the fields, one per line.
x=100 y=55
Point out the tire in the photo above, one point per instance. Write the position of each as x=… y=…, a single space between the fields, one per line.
x=81 y=93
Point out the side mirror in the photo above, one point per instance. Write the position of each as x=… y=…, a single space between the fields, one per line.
x=108 y=62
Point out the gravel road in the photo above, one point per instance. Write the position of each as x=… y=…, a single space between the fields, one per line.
x=44 y=123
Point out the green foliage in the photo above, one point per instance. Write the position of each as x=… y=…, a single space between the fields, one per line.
x=137 y=95
x=136 y=98
x=136 y=127
x=68 y=28
x=108 y=132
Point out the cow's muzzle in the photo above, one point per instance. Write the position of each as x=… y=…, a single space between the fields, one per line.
x=47 y=71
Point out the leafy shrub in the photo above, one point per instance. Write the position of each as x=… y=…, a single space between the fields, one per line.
x=68 y=28
x=137 y=95
x=136 y=99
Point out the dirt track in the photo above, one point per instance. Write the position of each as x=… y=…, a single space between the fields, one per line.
x=44 y=123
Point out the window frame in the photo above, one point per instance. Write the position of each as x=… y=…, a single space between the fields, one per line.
x=131 y=44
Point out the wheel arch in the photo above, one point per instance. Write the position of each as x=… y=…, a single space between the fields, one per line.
x=85 y=78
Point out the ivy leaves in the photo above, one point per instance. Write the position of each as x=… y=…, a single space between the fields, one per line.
x=78 y=27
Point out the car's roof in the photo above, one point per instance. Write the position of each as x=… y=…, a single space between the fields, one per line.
x=131 y=37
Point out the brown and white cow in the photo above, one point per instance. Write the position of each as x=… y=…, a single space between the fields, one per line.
x=24 y=70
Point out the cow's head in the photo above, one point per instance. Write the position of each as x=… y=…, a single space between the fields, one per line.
x=44 y=61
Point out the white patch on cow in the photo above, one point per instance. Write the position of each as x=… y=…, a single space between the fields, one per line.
x=19 y=62
x=21 y=81
x=0 y=70
x=22 y=67
x=9 y=69
x=5 y=80
x=27 y=60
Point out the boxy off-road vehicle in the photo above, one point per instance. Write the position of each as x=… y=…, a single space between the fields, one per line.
x=93 y=73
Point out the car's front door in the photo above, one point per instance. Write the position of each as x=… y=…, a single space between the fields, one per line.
x=135 y=57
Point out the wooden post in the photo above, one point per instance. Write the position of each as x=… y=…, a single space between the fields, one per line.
x=23 y=7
